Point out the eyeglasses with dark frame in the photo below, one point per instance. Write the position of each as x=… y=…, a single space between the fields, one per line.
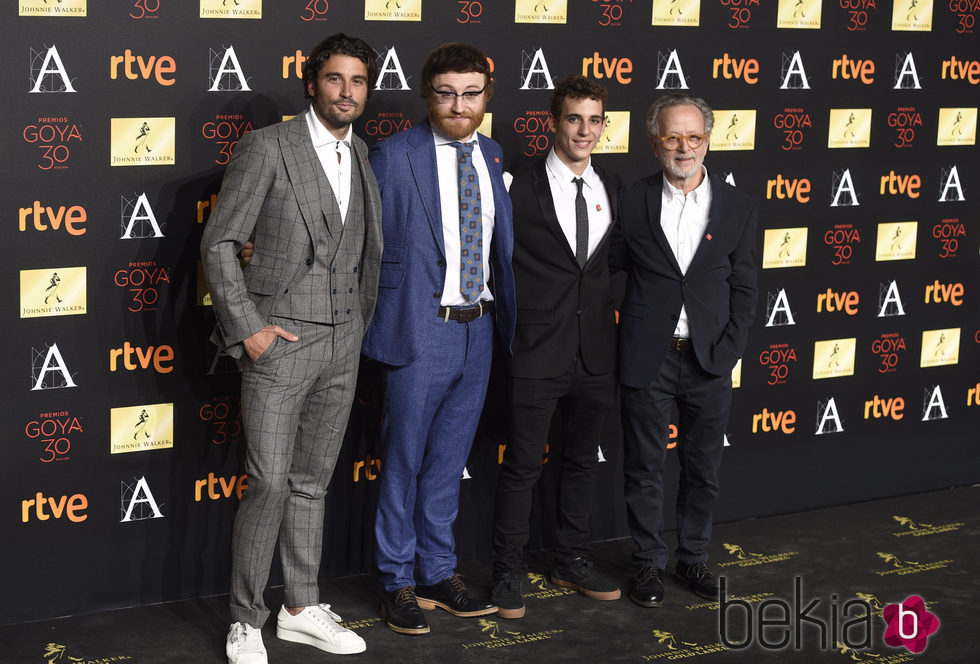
x=449 y=96
x=673 y=141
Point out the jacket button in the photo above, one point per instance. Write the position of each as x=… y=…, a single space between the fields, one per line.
x=350 y=290
x=333 y=270
x=336 y=312
x=309 y=261
x=578 y=313
x=348 y=311
x=334 y=291
x=441 y=263
x=684 y=283
x=437 y=295
x=355 y=268
x=285 y=291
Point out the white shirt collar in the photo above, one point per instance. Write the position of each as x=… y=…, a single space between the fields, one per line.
x=321 y=135
x=563 y=175
x=700 y=193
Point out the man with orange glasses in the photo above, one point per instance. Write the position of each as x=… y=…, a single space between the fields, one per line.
x=687 y=241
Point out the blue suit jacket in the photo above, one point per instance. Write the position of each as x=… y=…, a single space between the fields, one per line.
x=718 y=290
x=413 y=264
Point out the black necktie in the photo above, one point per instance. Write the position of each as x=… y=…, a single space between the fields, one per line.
x=581 y=225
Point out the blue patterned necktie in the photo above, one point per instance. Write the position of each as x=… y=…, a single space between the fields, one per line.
x=470 y=224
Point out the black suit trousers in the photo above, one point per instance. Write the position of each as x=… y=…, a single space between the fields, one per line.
x=585 y=400
x=703 y=401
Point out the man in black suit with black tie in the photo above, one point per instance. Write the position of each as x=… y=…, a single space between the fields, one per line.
x=564 y=349
x=687 y=241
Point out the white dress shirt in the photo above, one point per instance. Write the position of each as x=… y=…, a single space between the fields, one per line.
x=563 y=192
x=334 y=157
x=684 y=219
x=449 y=206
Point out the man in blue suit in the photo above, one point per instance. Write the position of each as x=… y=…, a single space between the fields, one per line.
x=446 y=290
x=687 y=241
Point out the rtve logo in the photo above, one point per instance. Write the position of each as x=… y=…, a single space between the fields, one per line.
x=789 y=188
x=216 y=488
x=848 y=68
x=973 y=396
x=295 y=63
x=207 y=204
x=746 y=69
x=878 y=408
x=961 y=70
x=893 y=184
x=45 y=507
x=160 y=357
x=846 y=301
x=784 y=421
x=937 y=293
x=370 y=466
x=609 y=68
x=156 y=67
x=44 y=217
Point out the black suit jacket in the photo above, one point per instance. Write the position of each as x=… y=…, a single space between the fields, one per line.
x=718 y=291
x=562 y=310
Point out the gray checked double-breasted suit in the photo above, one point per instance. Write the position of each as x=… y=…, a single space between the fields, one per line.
x=314 y=274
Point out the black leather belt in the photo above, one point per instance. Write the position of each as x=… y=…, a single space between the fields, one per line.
x=680 y=343
x=466 y=314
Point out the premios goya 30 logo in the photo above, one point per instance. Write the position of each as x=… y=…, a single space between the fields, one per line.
x=393 y=10
x=833 y=357
x=957 y=126
x=142 y=141
x=140 y=428
x=784 y=247
x=541 y=11
x=896 y=241
x=912 y=15
x=849 y=128
x=53 y=292
x=616 y=138
x=734 y=130
x=677 y=13
x=69 y=8
x=231 y=9
x=799 y=14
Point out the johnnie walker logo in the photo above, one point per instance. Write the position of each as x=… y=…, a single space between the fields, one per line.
x=921 y=529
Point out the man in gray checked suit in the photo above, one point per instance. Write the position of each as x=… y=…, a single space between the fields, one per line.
x=295 y=315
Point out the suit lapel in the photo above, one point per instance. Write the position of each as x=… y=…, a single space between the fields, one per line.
x=654 y=201
x=422 y=158
x=546 y=204
x=301 y=162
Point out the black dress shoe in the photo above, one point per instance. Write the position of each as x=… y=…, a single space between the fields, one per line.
x=401 y=611
x=698 y=578
x=453 y=596
x=648 y=587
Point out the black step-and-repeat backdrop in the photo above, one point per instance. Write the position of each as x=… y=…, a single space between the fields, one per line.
x=853 y=121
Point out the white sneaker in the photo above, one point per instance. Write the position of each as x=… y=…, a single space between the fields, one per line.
x=244 y=645
x=319 y=627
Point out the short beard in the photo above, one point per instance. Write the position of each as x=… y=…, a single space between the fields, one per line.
x=455 y=131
